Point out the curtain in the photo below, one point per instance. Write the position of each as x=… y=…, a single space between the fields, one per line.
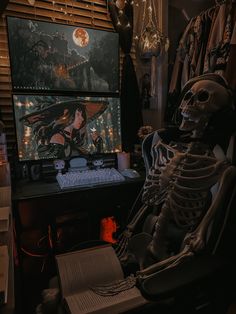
x=131 y=112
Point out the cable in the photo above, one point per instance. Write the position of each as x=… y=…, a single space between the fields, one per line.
x=134 y=203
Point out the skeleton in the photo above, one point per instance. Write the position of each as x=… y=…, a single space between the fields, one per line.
x=200 y=102
x=179 y=185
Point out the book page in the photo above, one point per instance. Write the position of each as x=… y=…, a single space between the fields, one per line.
x=85 y=268
x=90 y=302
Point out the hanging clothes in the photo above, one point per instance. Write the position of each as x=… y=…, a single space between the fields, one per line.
x=190 y=55
x=231 y=64
x=206 y=46
x=217 y=51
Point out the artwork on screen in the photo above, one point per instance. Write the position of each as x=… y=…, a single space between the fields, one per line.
x=48 y=56
x=50 y=127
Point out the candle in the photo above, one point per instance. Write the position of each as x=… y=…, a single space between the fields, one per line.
x=123 y=160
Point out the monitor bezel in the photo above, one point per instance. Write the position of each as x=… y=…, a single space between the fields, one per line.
x=89 y=156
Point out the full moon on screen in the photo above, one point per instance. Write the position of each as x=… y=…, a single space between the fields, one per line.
x=80 y=37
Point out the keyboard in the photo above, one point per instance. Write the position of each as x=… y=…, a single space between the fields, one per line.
x=88 y=177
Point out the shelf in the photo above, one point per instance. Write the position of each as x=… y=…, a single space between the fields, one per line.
x=6 y=238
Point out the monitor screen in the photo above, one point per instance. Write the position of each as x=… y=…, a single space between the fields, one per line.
x=56 y=57
x=53 y=126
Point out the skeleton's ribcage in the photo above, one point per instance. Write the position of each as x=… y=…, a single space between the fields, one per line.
x=152 y=187
x=181 y=185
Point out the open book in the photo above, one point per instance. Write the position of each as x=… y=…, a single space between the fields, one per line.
x=81 y=270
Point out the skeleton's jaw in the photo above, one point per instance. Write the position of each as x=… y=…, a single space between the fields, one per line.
x=189 y=122
x=194 y=124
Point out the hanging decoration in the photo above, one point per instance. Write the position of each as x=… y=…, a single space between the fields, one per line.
x=151 y=40
x=120 y=4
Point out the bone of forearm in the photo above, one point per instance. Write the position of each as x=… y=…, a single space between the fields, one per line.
x=144 y=273
x=138 y=216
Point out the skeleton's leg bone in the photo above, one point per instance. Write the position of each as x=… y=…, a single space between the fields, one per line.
x=144 y=273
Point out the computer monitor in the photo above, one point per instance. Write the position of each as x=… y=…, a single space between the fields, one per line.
x=56 y=126
x=55 y=57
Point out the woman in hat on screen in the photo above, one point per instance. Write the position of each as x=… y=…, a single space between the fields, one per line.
x=60 y=128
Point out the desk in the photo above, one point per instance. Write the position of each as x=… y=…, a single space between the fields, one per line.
x=38 y=205
x=32 y=200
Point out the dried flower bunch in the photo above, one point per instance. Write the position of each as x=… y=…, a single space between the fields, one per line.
x=144 y=131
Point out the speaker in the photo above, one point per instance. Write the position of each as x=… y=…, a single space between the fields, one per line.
x=35 y=172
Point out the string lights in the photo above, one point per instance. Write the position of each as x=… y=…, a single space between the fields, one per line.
x=151 y=41
x=122 y=19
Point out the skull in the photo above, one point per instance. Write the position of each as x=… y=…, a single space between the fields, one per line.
x=199 y=103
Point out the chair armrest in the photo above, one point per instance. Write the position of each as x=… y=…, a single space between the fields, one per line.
x=167 y=282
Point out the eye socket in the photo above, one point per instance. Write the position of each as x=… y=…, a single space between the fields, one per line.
x=203 y=96
x=188 y=95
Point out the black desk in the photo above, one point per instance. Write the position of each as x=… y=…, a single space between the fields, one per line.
x=40 y=206
x=34 y=199
x=26 y=189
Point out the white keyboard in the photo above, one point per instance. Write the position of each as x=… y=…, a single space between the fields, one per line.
x=88 y=177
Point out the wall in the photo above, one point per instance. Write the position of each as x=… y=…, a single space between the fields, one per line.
x=86 y=13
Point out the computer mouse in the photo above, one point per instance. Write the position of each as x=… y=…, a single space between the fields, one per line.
x=130 y=173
